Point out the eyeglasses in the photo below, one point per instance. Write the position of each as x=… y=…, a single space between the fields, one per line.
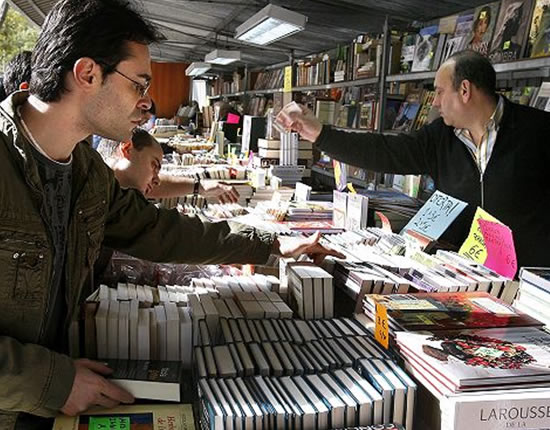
x=141 y=89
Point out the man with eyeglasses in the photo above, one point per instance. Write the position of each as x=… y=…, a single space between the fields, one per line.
x=90 y=75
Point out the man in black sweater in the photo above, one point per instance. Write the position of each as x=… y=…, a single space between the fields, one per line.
x=484 y=150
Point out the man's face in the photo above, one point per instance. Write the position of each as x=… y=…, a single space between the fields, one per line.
x=118 y=106
x=482 y=26
x=447 y=99
x=144 y=167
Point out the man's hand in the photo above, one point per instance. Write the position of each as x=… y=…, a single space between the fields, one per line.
x=90 y=389
x=223 y=192
x=293 y=247
x=303 y=122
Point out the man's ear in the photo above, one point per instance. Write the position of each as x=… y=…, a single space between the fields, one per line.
x=87 y=73
x=126 y=149
x=466 y=90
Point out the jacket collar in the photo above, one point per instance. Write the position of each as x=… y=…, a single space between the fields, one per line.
x=21 y=147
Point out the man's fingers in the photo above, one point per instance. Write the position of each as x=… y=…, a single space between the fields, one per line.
x=116 y=393
x=106 y=402
x=96 y=366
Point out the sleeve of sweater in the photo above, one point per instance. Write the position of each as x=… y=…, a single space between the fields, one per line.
x=406 y=153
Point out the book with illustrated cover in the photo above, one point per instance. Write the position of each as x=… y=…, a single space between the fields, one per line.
x=480 y=36
x=539 y=33
x=510 y=37
x=448 y=311
x=472 y=359
x=131 y=417
x=406 y=116
x=426 y=44
x=456 y=41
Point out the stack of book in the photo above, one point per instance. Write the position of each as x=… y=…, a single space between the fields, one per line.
x=310 y=291
x=269 y=79
x=269 y=152
x=123 y=330
x=534 y=292
x=329 y=400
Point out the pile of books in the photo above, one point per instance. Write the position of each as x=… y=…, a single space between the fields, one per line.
x=269 y=79
x=329 y=400
x=310 y=291
x=534 y=292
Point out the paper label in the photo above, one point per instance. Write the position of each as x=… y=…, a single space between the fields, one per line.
x=339 y=209
x=381 y=329
x=473 y=247
x=491 y=306
x=302 y=192
x=501 y=253
x=109 y=423
x=436 y=215
x=288 y=79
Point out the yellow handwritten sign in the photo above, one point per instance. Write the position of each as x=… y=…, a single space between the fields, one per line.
x=288 y=79
x=381 y=328
x=474 y=246
x=351 y=188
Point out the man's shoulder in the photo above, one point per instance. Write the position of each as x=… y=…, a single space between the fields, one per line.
x=529 y=116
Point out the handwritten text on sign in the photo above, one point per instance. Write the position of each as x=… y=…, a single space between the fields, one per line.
x=381 y=329
x=473 y=247
x=501 y=253
x=436 y=215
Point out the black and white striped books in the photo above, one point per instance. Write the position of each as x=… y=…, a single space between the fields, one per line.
x=311 y=291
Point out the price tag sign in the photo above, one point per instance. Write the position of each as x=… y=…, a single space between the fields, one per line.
x=288 y=80
x=109 y=423
x=501 y=253
x=436 y=215
x=381 y=328
x=473 y=247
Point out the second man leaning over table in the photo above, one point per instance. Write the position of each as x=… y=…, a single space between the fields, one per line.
x=137 y=162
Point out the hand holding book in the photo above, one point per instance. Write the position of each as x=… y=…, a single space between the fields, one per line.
x=293 y=247
x=90 y=388
x=298 y=118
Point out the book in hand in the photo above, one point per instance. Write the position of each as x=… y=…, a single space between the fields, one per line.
x=448 y=311
x=142 y=417
x=152 y=380
x=469 y=360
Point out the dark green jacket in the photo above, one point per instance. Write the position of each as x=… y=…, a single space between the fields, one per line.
x=33 y=378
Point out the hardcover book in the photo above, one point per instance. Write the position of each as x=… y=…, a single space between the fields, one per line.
x=483 y=26
x=470 y=359
x=511 y=30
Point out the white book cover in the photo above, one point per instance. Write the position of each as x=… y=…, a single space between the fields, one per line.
x=162 y=340
x=172 y=331
x=295 y=414
x=222 y=308
x=261 y=332
x=134 y=321
x=186 y=337
x=143 y=346
x=239 y=368
x=242 y=331
x=352 y=405
x=101 y=329
x=286 y=364
x=211 y=368
x=381 y=384
x=364 y=402
x=200 y=363
x=132 y=292
x=153 y=335
x=252 y=403
x=246 y=359
x=124 y=331
x=399 y=391
x=113 y=295
x=228 y=414
x=103 y=292
x=278 y=412
x=498 y=410
x=149 y=296
x=474 y=358
x=112 y=329
x=224 y=361
x=309 y=419
x=122 y=291
x=337 y=406
x=211 y=314
x=261 y=362
x=293 y=358
x=411 y=393
x=322 y=410
x=216 y=417
x=242 y=421
x=204 y=334
x=234 y=308
x=275 y=364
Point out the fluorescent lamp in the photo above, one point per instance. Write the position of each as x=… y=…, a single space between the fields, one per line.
x=270 y=24
x=222 y=56
x=197 y=68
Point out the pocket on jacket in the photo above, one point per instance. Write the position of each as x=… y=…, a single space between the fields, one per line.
x=23 y=260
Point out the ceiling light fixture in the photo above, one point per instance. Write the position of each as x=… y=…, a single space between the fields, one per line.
x=270 y=24
x=222 y=56
x=197 y=68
